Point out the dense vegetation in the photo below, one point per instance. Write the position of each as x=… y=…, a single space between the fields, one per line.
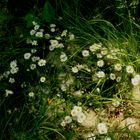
x=69 y=70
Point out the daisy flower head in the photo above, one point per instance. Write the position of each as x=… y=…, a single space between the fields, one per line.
x=34 y=23
x=76 y=111
x=78 y=93
x=100 y=63
x=90 y=136
x=64 y=33
x=102 y=128
x=81 y=117
x=118 y=67
x=54 y=43
x=63 y=123
x=47 y=36
x=31 y=94
x=39 y=34
x=107 y=138
x=60 y=45
x=99 y=55
x=42 y=79
x=6 y=74
x=14 y=70
x=33 y=50
x=63 y=87
x=68 y=119
x=85 y=53
x=13 y=64
x=52 y=29
x=35 y=58
x=8 y=92
x=112 y=76
x=32 y=66
x=36 y=27
x=137 y=76
x=52 y=25
x=34 y=43
x=27 y=56
x=129 y=69
x=95 y=47
x=51 y=48
x=118 y=79
x=42 y=62
x=11 y=80
x=63 y=57
x=100 y=74
x=104 y=51
x=135 y=81
x=32 y=32
x=71 y=36
x=74 y=69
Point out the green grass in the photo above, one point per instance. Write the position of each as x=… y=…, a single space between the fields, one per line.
x=36 y=110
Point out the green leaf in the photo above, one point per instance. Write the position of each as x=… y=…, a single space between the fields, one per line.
x=29 y=18
x=48 y=12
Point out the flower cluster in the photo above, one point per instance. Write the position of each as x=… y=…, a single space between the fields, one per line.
x=76 y=114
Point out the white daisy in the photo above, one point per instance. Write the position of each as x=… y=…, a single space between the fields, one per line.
x=14 y=70
x=47 y=36
x=112 y=76
x=135 y=81
x=42 y=79
x=54 y=42
x=35 y=58
x=74 y=69
x=36 y=27
x=102 y=128
x=33 y=50
x=118 y=79
x=95 y=47
x=71 y=36
x=27 y=56
x=33 y=66
x=34 y=23
x=52 y=25
x=31 y=94
x=51 y=48
x=13 y=64
x=63 y=57
x=52 y=29
x=100 y=63
x=90 y=136
x=81 y=117
x=118 y=67
x=99 y=55
x=34 y=43
x=85 y=53
x=8 y=92
x=64 y=33
x=104 y=51
x=68 y=119
x=129 y=69
x=42 y=62
x=39 y=34
x=63 y=87
x=32 y=32
x=100 y=74
x=63 y=123
x=11 y=80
